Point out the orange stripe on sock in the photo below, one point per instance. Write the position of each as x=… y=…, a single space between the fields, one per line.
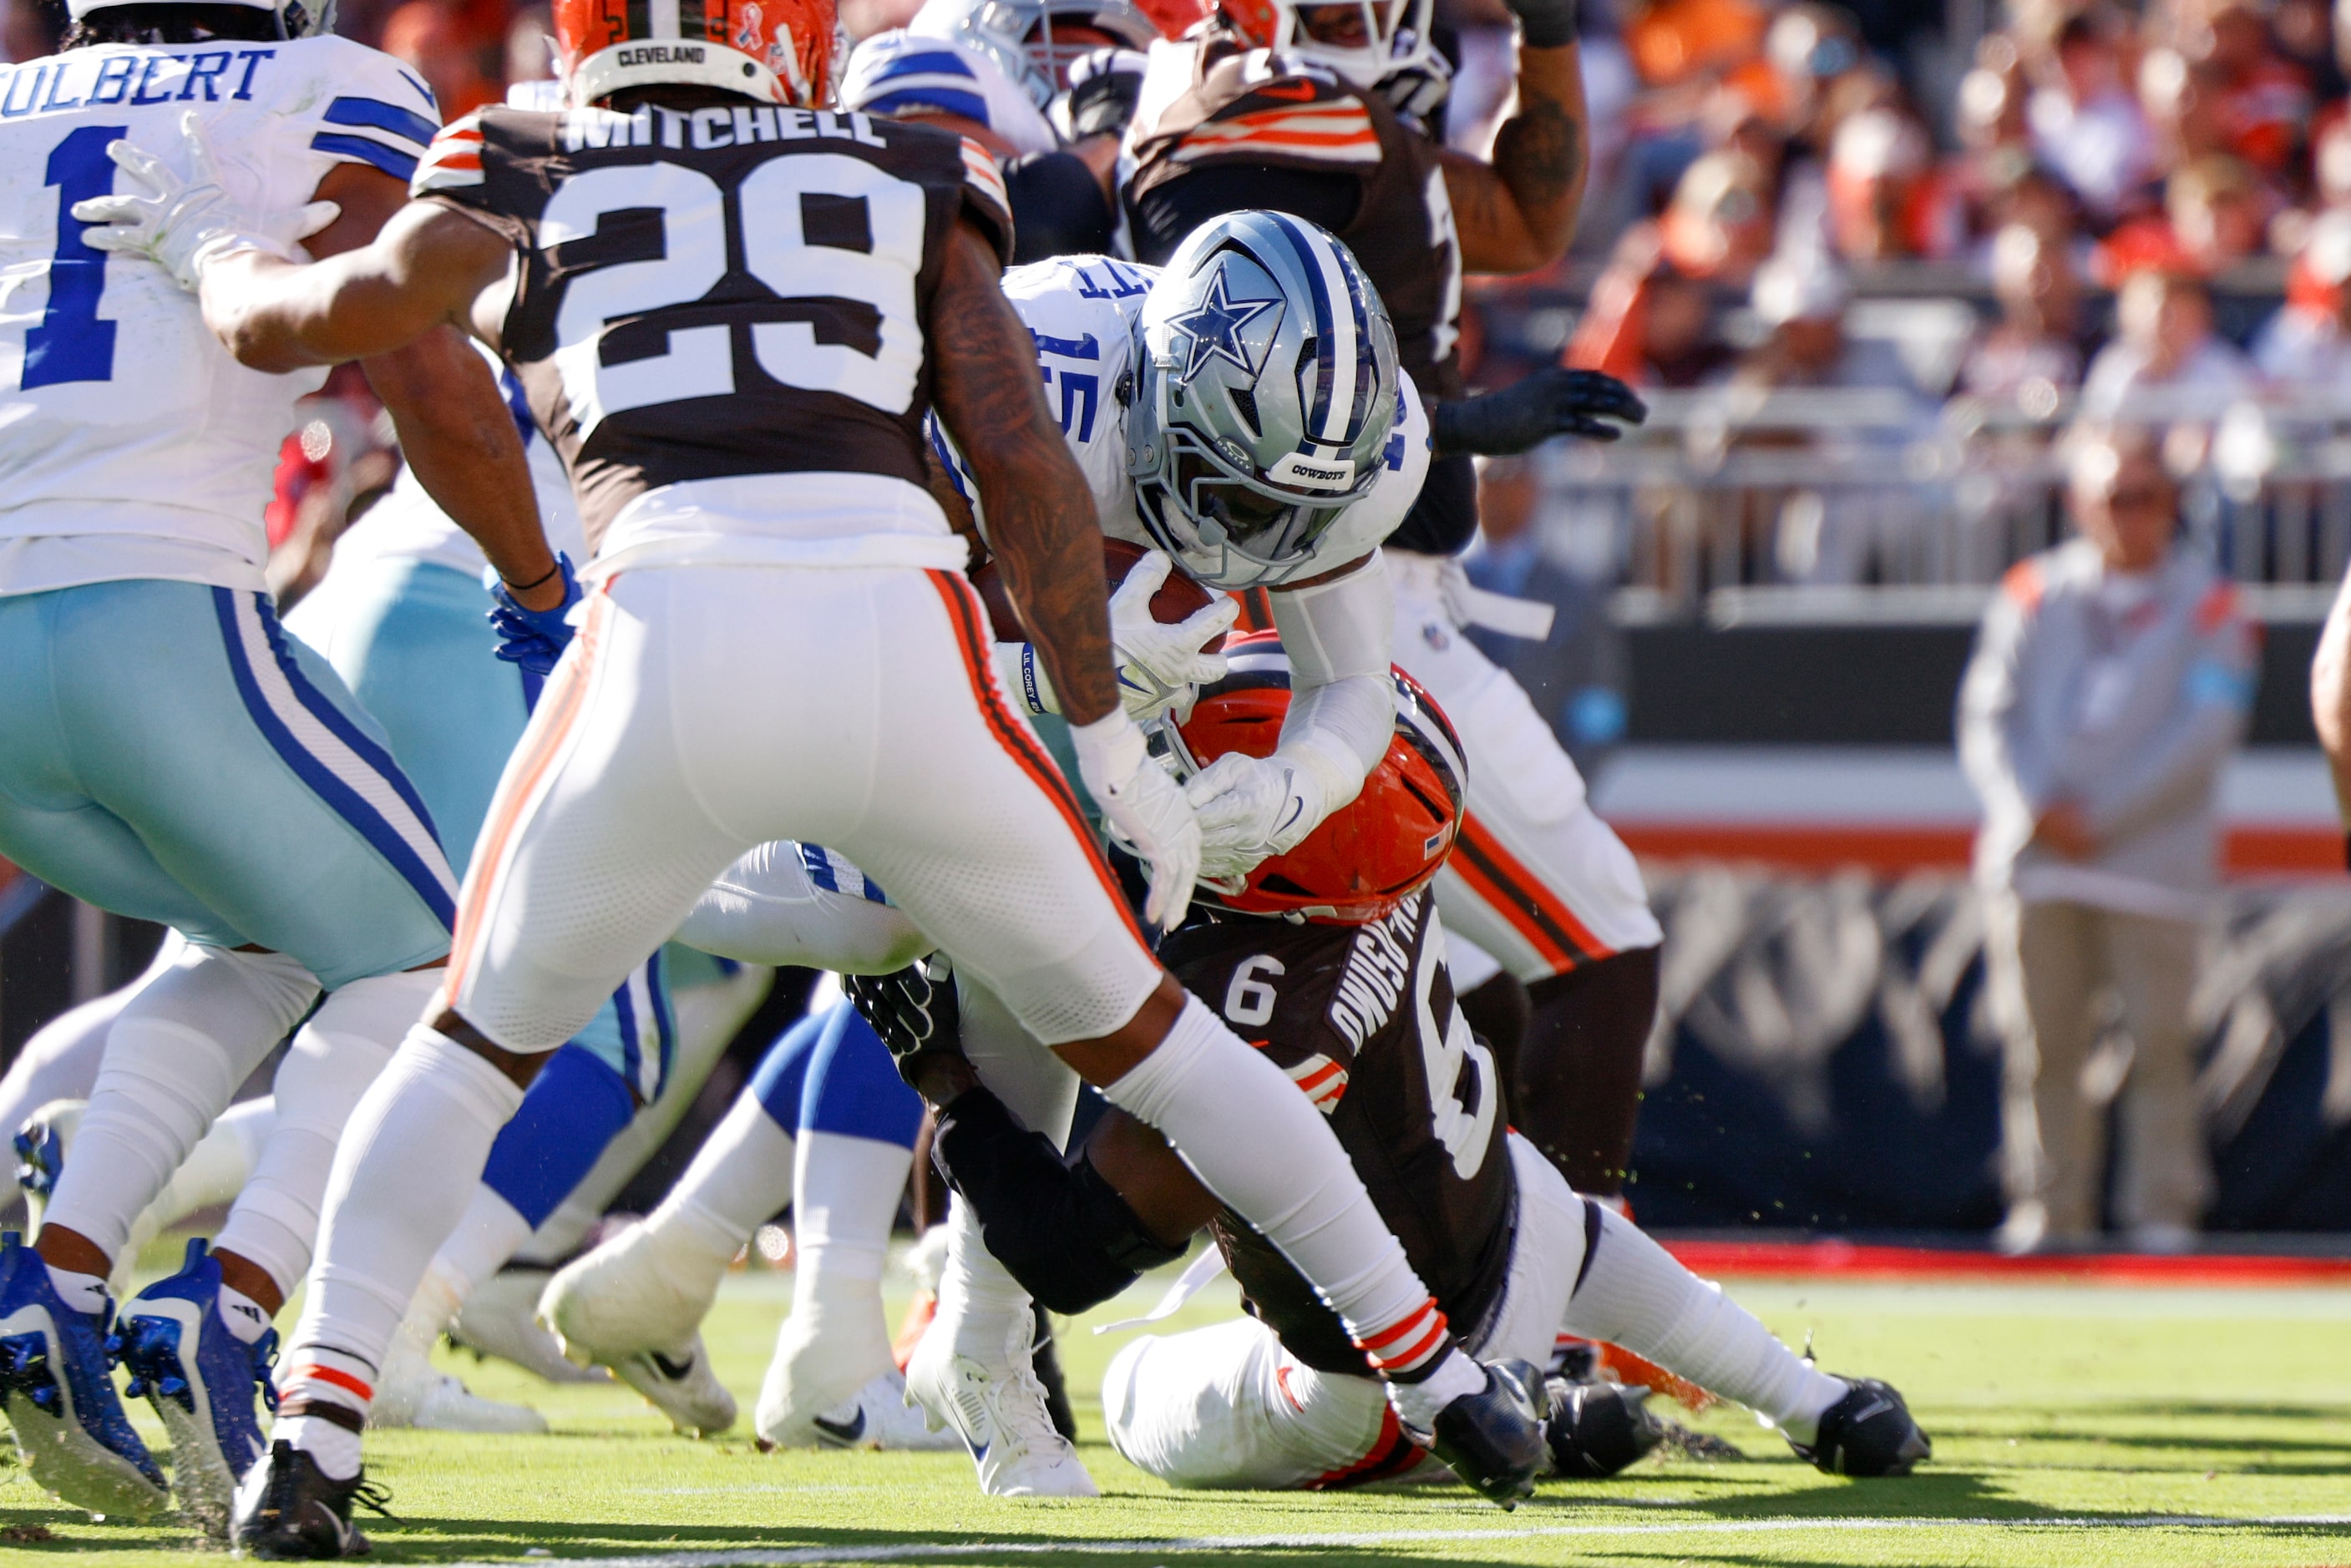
x=1403 y=1327
x=1419 y=1351
x=328 y=1375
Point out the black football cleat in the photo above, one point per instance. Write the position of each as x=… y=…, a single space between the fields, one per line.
x=1869 y=1432
x=1595 y=1430
x=1493 y=1440
x=289 y=1510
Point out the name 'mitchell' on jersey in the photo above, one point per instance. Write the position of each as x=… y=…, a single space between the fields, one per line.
x=124 y=417
x=721 y=291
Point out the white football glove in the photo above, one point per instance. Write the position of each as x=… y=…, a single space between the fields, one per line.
x=1252 y=808
x=1162 y=668
x=182 y=224
x=1146 y=810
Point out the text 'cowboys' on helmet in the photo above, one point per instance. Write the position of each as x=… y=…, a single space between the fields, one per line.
x=781 y=50
x=1266 y=394
x=1373 y=853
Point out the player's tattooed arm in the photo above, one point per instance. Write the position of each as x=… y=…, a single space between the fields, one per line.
x=1517 y=214
x=426 y=269
x=1040 y=514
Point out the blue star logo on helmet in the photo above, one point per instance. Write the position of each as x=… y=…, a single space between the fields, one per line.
x=1215 y=329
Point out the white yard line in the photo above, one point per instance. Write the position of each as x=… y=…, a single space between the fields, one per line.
x=775 y=1557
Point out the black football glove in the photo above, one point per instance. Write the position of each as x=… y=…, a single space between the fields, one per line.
x=1544 y=24
x=913 y=1009
x=1551 y=402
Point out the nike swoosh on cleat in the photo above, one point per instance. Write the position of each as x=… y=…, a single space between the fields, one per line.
x=843 y=1432
x=675 y=1371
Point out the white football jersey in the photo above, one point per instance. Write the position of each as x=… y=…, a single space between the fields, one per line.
x=128 y=437
x=1081 y=310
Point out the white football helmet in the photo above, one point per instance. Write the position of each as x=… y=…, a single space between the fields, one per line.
x=1391 y=36
x=1017 y=35
x=296 y=18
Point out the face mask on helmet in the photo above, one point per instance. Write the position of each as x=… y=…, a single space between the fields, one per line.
x=1265 y=394
x=1035 y=41
x=1364 y=41
x=296 y=18
x=781 y=50
x=1372 y=854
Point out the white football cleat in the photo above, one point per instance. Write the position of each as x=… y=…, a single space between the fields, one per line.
x=409 y=1391
x=643 y=1291
x=678 y=1382
x=500 y=1320
x=993 y=1401
x=878 y=1415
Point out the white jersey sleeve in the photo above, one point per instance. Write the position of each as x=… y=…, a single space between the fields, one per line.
x=1080 y=311
x=120 y=416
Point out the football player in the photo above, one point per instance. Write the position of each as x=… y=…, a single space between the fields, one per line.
x=171 y=753
x=1275 y=104
x=1333 y=957
x=677 y=359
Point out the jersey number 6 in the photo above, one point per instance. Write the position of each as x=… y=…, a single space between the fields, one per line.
x=767 y=215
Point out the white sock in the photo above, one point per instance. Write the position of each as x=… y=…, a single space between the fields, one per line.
x=83 y=1293
x=741 y=1178
x=1262 y=1148
x=243 y=1315
x=333 y=1060
x=177 y=1051
x=410 y=1162
x=978 y=1298
x=335 y=1450
x=849 y=1191
x=1635 y=1294
x=479 y=1247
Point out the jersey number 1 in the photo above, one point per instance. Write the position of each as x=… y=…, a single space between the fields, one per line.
x=71 y=344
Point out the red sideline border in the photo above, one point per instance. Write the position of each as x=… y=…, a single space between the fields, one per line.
x=1827 y=846
x=1832 y=1259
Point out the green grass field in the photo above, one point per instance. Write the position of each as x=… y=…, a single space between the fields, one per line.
x=2070 y=1426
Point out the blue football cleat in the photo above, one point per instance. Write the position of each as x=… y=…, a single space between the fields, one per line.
x=202 y=1380
x=59 y=1389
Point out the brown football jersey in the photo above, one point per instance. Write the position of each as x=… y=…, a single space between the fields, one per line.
x=713 y=292
x=1363 y=1019
x=1245 y=110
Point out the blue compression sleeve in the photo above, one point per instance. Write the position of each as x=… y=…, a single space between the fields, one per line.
x=783 y=1070
x=853 y=1088
x=575 y=1107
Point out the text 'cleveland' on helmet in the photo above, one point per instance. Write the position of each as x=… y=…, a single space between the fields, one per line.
x=781 y=50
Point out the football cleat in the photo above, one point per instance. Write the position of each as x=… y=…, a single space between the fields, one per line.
x=826 y=1361
x=1493 y=1440
x=57 y=1384
x=995 y=1404
x=878 y=1415
x=1869 y=1432
x=1595 y=1430
x=287 y=1508
x=409 y=1391
x=644 y=1290
x=1045 y=1357
x=202 y=1379
x=678 y=1382
x=499 y=1320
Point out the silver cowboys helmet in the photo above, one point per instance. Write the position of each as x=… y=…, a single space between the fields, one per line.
x=1265 y=394
x=296 y=18
x=1017 y=35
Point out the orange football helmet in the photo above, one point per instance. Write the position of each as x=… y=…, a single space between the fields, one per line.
x=1370 y=855
x=777 y=49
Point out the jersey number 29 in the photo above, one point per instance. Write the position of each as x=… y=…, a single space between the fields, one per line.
x=766 y=214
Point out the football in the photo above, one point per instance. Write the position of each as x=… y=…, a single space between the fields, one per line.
x=1179 y=598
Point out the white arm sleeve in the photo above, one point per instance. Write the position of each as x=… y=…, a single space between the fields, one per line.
x=1339 y=636
x=766 y=909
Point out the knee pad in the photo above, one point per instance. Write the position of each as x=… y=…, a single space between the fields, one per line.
x=1063 y=1231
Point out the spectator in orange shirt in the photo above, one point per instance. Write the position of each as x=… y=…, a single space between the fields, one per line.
x=2264 y=102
